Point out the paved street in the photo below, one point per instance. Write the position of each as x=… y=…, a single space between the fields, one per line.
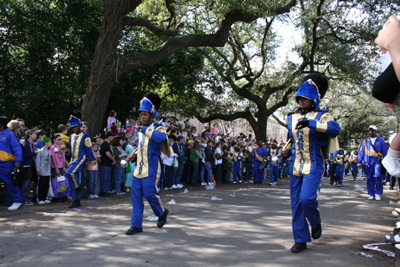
x=250 y=226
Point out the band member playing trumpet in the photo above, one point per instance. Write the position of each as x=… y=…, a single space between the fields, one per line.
x=260 y=155
x=273 y=166
x=339 y=162
x=309 y=128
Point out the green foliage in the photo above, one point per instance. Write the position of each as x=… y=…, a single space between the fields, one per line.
x=46 y=48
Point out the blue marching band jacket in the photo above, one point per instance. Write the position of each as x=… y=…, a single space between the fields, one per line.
x=307 y=143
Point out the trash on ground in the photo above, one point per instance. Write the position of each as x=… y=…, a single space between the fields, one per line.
x=39 y=235
x=215 y=198
x=367 y=255
x=395 y=214
x=172 y=201
x=392 y=203
x=210 y=187
x=185 y=191
x=232 y=195
x=376 y=248
x=152 y=219
x=358 y=188
x=362 y=203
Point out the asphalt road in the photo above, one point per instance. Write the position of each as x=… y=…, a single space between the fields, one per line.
x=250 y=226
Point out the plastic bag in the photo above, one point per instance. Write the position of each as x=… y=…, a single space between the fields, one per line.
x=60 y=186
x=176 y=163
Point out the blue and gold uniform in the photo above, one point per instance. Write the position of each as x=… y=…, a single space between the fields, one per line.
x=237 y=160
x=80 y=146
x=149 y=171
x=353 y=164
x=306 y=164
x=340 y=163
x=259 y=157
x=273 y=170
x=10 y=153
x=370 y=158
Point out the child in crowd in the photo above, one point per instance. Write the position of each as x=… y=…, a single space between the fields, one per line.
x=63 y=130
x=93 y=172
x=58 y=161
x=114 y=127
x=43 y=161
x=40 y=135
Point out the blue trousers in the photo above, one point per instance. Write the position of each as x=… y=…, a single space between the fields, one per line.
x=6 y=169
x=206 y=167
x=73 y=175
x=105 y=182
x=304 y=191
x=177 y=177
x=258 y=174
x=92 y=182
x=149 y=188
x=118 y=177
x=273 y=173
x=339 y=174
x=374 y=179
x=354 y=170
x=236 y=172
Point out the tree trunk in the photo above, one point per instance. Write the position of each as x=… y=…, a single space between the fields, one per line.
x=261 y=129
x=102 y=75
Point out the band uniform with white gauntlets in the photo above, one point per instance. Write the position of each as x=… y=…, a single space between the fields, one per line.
x=80 y=146
x=149 y=171
x=310 y=129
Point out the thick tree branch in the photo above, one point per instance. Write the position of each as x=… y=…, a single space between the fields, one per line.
x=141 y=60
x=278 y=120
x=133 y=21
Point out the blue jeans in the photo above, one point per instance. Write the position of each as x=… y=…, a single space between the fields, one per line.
x=206 y=167
x=195 y=173
x=218 y=173
x=169 y=172
x=92 y=182
x=25 y=186
x=118 y=177
x=176 y=178
x=105 y=179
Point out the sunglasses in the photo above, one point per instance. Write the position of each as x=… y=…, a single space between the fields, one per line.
x=58 y=139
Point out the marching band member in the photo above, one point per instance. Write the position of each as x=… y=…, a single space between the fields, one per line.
x=273 y=170
x=339 y=162
x=237 y=160
x=10 y=158
x=148 y=173
x=309 y=129
x=371 y=149
x=259 y=157
x=80 y=146
x=353 y=164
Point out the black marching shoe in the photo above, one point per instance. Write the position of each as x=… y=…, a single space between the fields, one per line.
x=317 y=231
x=298 y=247
x=133 y=230
x=162 y=219
x=81 y=192
x=75 y=204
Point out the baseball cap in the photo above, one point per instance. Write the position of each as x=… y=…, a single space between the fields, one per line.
x=373 y=127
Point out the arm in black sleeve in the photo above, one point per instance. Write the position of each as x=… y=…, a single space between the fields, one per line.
x=386 y=86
